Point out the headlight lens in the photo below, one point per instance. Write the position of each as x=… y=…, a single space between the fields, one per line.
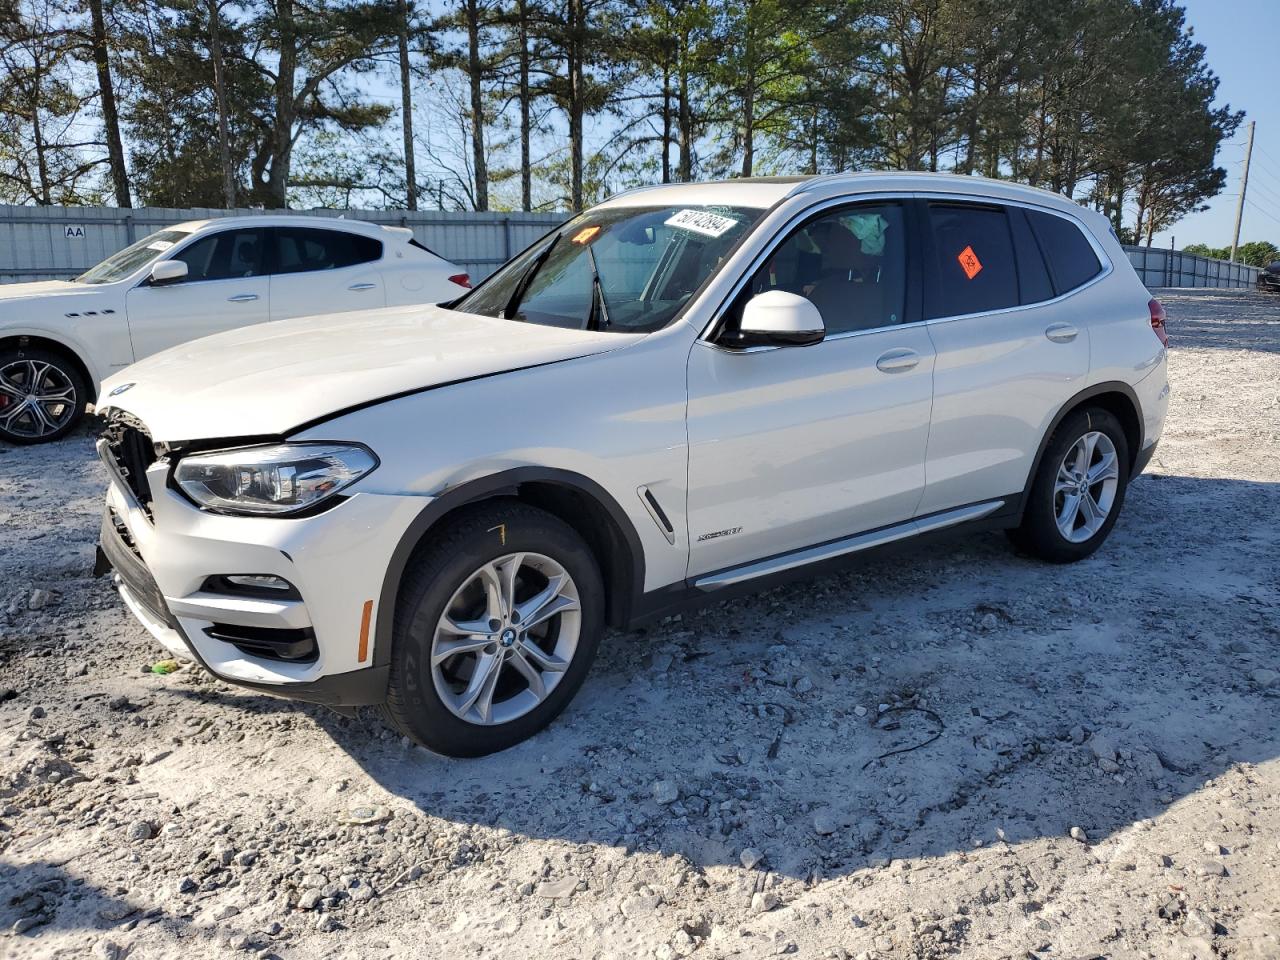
x=282 y=479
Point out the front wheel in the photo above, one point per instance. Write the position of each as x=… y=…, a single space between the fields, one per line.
x=42 y=395
x=1078 y=489
x=496 y=627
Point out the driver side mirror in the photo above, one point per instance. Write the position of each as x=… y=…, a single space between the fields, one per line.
x=168 y=271
x=776 y=318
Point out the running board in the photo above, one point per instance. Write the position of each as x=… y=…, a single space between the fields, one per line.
x=838 y=548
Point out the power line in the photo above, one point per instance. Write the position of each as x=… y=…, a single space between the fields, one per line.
x=1269 y=216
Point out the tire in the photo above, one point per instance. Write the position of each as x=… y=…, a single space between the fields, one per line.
x=1043 y=533
x=55 y=378
x=457 y=574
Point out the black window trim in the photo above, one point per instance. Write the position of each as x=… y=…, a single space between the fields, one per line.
x=1108 y=266
x=912 y=309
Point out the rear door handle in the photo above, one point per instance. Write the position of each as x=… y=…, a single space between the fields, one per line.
x=362 y=286
x=242 y=298
x=897 y=361
x=1061 y=332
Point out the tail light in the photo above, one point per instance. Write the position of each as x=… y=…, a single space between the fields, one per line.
x=464 y=280
x=1157 y=320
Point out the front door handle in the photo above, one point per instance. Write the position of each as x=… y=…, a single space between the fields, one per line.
x=1061 y=332
x=897 y=361
x=362 y=286
x=242 y=298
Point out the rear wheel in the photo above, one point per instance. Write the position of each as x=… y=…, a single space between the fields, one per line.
x=497 y=624
x=1078 y=489
x=42 y=395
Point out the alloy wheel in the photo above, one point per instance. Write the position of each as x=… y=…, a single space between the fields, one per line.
x=1085 y=489
x=37 y=398
x=506 y=638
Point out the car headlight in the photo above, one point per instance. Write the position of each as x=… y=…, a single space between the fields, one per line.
x=282 y=479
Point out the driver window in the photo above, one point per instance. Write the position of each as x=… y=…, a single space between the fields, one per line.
x=223 y=256
x=850 y=263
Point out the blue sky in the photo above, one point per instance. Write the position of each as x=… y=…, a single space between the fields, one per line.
x=1240 y=37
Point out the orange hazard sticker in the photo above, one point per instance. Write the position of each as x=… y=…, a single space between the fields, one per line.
x=969 y=262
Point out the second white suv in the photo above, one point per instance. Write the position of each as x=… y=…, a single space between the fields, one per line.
x=685 y=392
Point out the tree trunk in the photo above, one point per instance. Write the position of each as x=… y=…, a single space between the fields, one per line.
x=577 y=26
x=220 y=96
x=406 y=111
x=474 y=77
x=749 y=101
x=685 y=121
x=666 y=120
x=526 y=174
x=110 y=118
x=282 y=133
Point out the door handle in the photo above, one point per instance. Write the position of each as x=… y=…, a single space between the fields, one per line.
x=362 y=286
x=242 y=298
x=897 y=361
x=1061 y=332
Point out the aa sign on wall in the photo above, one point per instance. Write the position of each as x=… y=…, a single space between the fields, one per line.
x=73 y=231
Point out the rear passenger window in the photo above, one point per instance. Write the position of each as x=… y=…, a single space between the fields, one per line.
x=300 y=249
x=1071 y=259
x=976 y=270
x=1033 y=276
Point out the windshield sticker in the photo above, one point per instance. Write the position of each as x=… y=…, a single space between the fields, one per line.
x=585 y=235
x=700 y=221
x=160 y=245
x=969 y=262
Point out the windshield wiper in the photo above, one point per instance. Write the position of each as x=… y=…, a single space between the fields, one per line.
x=595 y=317
x=509 y=311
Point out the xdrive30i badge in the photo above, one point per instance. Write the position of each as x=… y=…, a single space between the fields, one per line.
x=720 y=533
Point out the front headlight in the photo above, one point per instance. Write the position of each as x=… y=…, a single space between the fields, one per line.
x=282 y=479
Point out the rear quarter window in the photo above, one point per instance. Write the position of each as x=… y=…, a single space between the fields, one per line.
x=1072 y=262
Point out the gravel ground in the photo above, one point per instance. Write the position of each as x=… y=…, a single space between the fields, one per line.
x=1097 y=771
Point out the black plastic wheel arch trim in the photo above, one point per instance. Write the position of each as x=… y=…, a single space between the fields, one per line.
x=484 y=488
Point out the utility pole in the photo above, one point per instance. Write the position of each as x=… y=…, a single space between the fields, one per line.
x=1244 y=185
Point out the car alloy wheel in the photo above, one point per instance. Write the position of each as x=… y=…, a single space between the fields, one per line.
x=1086 y=486
x=506 y=638
x=37 y=398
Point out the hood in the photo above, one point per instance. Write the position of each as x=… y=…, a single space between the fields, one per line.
x=268 y=379
x=44 y=288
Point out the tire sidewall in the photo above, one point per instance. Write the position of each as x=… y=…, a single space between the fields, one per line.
x=69 y=371
x=1042 y=517
x=484 y=537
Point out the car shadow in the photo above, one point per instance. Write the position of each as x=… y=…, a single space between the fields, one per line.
x=911 y=706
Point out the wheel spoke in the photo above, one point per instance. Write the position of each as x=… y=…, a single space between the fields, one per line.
x=41 y=416
x=1067 y=514
x=492 y=581
x=1106 y=468
x=507 y=574
x=7 y=386
x=465 y=628
x=547 y=662
x=1092 y=513
x=545 y=604
x=444 y=649
x=531 y=674
x=479 y=691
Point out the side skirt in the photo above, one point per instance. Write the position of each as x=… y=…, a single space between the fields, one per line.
x=824 y=558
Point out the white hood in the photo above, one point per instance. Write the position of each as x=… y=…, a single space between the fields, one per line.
x=265 y=380
x=45 y=288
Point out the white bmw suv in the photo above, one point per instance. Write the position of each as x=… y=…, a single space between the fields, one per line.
x=683 y=393
x=59 y=338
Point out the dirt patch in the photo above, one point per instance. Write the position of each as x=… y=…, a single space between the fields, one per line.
x=1101 y=775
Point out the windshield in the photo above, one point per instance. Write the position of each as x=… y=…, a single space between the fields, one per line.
x=119 y=265
x=625 y=269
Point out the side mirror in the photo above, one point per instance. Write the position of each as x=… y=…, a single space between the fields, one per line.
x=779 y=319
x=168 y=271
